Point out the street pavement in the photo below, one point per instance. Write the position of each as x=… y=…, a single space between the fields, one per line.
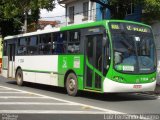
x=34 y=101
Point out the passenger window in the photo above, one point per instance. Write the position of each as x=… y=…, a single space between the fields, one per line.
x=22 y=46
x=32 y=47
x=59 y=43
x=5 y=48
x=74 y=42
x=45 y=44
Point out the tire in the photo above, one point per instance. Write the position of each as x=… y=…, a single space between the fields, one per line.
x=19 y=77
x=72 y=84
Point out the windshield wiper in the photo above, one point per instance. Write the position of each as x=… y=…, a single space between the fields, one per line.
x=125 y=41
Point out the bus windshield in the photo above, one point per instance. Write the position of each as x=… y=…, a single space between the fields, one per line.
x=134 y=49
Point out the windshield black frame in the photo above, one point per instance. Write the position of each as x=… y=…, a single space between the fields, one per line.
x=134 y=48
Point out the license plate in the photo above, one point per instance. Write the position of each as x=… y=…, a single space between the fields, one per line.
x=137 y=86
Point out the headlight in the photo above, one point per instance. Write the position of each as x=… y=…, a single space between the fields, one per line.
x=119 y=79
x=152 y=79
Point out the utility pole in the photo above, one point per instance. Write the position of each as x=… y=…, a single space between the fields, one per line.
x=25 y=21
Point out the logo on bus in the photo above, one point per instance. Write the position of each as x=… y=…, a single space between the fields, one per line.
x=64 y=65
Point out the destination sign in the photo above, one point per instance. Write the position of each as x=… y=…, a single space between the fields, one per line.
x=130 y=27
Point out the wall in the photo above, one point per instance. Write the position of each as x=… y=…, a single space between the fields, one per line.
x=136 y=16
x=78 y=7
x=95 y=13
x=99 y=13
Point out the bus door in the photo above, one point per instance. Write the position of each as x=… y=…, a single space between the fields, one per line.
x=94 y=60
x=11 y=60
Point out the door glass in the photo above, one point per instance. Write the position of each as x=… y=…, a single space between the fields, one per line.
x=95 y=58
x=98 y=60
x=10 y=52
x=90 y=57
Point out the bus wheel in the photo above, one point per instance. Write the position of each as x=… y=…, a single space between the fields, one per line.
x=71 y=84
x=19 y=77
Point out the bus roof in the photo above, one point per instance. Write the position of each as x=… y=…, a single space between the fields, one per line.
x=71 y=27
x=33 y=33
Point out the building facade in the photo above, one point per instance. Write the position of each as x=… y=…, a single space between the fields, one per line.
x=82 y=11
x=79 y=11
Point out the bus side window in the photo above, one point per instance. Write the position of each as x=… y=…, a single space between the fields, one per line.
x=32 y=47
x=59 y=43
x=74 y=42
x=22 y=49
x=5 y=48
x=45 y=44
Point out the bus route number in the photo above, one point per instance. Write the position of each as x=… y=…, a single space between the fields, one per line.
x=21 y=60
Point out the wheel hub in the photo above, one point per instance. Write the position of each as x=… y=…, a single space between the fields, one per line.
x=72 y=84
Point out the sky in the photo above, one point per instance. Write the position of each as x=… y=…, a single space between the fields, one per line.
x=58 y=13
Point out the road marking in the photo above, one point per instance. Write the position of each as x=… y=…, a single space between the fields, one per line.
x=49 y=112
x=103 y=111
x=4 y=88
x=16 y=97
x=12 y=92
x=66 y=101
x=158 y=98
x=35 y=103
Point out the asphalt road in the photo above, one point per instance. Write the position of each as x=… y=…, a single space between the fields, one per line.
x=41 y=102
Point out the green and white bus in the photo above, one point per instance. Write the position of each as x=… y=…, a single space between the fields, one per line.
x=110 y=56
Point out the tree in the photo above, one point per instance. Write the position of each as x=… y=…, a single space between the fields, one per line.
x=151 y=10
x=16 y=11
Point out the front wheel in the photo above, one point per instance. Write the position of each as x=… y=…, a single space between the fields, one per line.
x=19 y=77
x=72 y=84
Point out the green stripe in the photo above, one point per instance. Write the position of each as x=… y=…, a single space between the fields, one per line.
x=98 y=23
x=38 y=71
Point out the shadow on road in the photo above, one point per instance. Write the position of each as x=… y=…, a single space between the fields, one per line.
x=114 y=97
x=41 y=87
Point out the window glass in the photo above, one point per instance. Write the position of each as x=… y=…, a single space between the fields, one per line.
x=45 y=39
x=5 y=48
x=134 y=49
x=22 y=41
x=45 y=44
x=71 y=14
x=33 y=41
x=59 y=43
x=32 y=47
x=74 y=42
x=74 y=36
x=22 y=46
x=85 y=10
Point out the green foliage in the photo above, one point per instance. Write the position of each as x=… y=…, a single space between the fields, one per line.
x=12 y=12
x=151 y=10
x=18 y=7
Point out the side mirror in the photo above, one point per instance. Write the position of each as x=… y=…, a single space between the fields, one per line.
x=105 y=39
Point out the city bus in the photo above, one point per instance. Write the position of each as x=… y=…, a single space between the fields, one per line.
x=110 y=56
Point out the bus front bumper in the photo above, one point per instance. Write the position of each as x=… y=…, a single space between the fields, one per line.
x=110 y=86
